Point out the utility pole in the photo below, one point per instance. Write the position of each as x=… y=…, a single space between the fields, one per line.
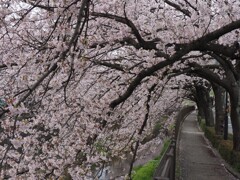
x=225 y=134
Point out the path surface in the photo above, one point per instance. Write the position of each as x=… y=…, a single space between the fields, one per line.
x=197 y=160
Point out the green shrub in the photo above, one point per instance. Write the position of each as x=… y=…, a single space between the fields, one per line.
x=236 y=160
x=224 y=147
x=146 y=171
x=202 y=124
x=213 y=138
x=165 y=146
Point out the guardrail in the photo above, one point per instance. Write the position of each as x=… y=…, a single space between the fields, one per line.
x=167 y=165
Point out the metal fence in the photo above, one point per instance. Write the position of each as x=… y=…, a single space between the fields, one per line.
x=167 y=165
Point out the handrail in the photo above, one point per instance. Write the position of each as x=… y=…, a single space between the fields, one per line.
x=161 y=169
x=167 y=165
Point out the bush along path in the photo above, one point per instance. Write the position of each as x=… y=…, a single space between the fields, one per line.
x=197 y=159
x=146 y=171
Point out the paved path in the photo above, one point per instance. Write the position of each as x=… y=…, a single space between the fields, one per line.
x=197 y=160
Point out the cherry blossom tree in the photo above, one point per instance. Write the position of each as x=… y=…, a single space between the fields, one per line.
x=84 y=80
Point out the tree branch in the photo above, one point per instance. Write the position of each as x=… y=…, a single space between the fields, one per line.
x=124 y=20
x=142 y=128
x=110 y=65
x=195 y=45
x=177 y=7
x=209 y=75
x=53 y=68
x=194 y=8
x=227 y=66
x=228 y=51
x=148 y=72
x=36 y=4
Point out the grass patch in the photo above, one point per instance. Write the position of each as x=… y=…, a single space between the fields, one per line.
x=146 y=171
x=224 y=147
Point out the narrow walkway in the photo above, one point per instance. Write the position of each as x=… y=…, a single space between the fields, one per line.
x=197 y=160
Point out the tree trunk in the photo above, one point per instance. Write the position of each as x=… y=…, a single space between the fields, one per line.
x=235 y=115
x=220 y=108
x=200 y=109
x=206 y=103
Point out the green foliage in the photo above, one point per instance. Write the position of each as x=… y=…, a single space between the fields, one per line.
x=165 y=146
x=202 y=124
x=213 y=138
x=146 y=171
x=236 y=160
x=172 y=127
x=136 y=168
x=156 y=129
x=224 y=147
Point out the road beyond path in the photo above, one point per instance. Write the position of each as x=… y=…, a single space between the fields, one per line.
x=197 y=160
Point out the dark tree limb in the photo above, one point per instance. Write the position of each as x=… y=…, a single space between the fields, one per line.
x=38 y=5
x=195 y=45
x=209 y=75
x=228 y=51
x=110 y=65
x=226 y=65
x=124 y=20
x=177 y=7
x=150 y=90
x=188 y=3
x=34 y=86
